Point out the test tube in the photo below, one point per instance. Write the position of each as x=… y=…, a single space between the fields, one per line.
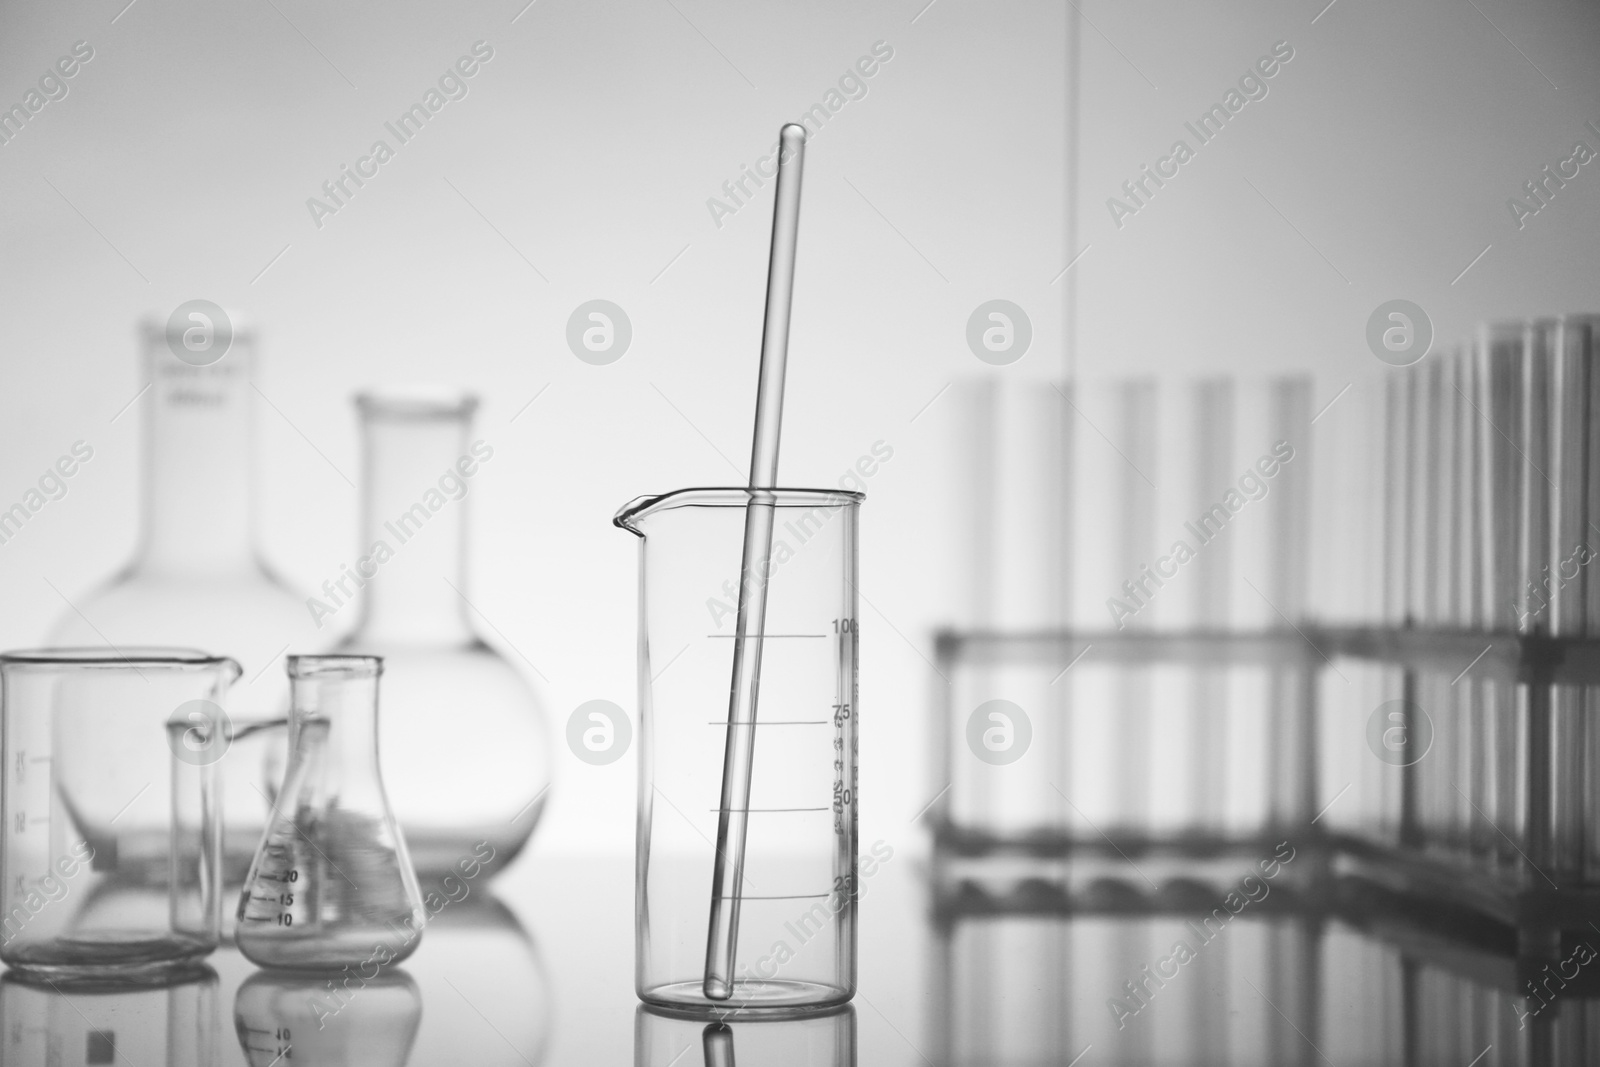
x=1540 y=497
x=1498 y=385
x=1134 y=521
x=1590 y=327
x=1397 y=496
x=1396 y=807
x=1563 y=343
x=1468 y=608
x=1427 y=462
x=1212 y=467
x=1291 y=763
x=1453 y=604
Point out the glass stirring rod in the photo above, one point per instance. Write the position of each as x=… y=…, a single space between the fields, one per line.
x=733 y=814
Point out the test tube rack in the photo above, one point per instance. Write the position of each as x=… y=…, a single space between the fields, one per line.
x=1522 y=899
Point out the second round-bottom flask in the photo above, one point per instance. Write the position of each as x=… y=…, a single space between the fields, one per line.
x=455 y=796
x=331 y=884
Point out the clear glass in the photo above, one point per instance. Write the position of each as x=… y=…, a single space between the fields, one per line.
x=331 y=884
x=197 y=579
x=486 y=777
x=796 y=946
x=1060 y=530
x=817 y=1039
x=172 y=1022
x=112 y=844
x=288 y=1018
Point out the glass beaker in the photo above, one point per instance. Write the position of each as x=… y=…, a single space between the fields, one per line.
x=796 y=944
x=331 y=884
x=112 y=844
x=486 y=777
x=197 y=579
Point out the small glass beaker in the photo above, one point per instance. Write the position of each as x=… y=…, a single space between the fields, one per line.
x=111 y=821
x=331 y=884
x=796 y=945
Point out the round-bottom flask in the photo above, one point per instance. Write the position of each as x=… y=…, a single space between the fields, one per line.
x=485 y=779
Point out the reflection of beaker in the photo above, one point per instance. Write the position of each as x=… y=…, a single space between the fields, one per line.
x=666 y=1039
x=483 y=771
x=172 y=1022
x=346 y=1020
x=331 y=884
x=92 y=794
x=483 y=981
x=796 y=931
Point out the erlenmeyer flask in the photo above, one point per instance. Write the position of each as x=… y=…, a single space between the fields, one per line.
x=331 y=884
x=196 y=580
x=484 y=779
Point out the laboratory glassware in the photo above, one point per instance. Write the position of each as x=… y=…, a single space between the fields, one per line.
x=483 y=780
x=344 y=1020
x=1062 y=526
x=733 y=820
x=1500 y=387
x=112 y=844
x=815 y=1039
x=796 y=941
x=197 y=578
x=331 y=884
x=172 y=1022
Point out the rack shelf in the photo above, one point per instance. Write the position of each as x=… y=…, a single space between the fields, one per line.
x=1537 y=913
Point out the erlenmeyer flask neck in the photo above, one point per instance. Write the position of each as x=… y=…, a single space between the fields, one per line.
x=333 y=717
x=417 y=474
x=198 y=474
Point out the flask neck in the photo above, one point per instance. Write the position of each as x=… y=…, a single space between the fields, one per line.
x=199 y=480
x=417 y=473
x=335 y=716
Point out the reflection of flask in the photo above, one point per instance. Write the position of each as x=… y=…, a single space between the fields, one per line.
x=343 y=1020
x=478 y=966
x=196 y=580
x=464 y=751
x=331 y=884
